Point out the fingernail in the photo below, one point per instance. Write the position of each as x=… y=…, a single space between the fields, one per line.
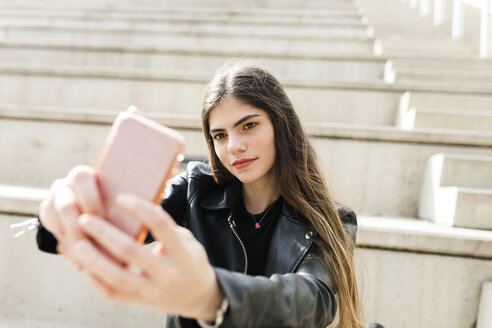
x=84 y=219
x=133 y=109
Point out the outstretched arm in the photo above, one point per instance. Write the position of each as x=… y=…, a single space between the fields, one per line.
x=302 y=299
x=173 y=276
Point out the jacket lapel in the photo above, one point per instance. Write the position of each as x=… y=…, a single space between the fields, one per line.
x=289 y=244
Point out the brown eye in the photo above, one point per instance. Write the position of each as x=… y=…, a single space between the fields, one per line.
x=218 y=136
x=250 y=125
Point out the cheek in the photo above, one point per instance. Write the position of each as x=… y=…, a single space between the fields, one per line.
x=220 y=153
x=268 y=141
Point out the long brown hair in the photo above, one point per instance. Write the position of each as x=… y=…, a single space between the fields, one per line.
x=301 y=182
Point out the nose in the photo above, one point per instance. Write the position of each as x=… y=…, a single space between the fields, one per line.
x=235 y=144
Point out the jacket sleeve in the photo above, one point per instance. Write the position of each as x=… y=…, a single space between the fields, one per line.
x=175 y=197
x=300 y=299
x=45 y=240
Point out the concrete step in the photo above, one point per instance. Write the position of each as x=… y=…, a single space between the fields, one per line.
x=418 y=111
x=21 y=200
x=232 y=29
x=181 y=93
x=445 y=101
x=404 y=23
x=187 y=60
x=465 y=71
x=410 y=118
x=473 y=208
x=457 y=190
x=364 y=102
x=425 y=48
x=420 y=235
x=367 y=102
x=42 y=145
x=477 y=65
x=133 y=10
x=53 y=136
x=465 y=171
x=7 y=322
x=439 y=75
x=178 y=4
x=137 y=17
x=180 y=19
x=263 y=10
x=452 y=119
x=484 y=318
x=243 y=44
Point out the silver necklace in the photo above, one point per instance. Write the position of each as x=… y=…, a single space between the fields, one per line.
x=257 y=223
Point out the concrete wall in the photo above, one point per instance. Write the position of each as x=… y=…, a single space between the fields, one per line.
x=407 y=290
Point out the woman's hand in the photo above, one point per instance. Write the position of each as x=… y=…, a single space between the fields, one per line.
x=68 y=198
x=173 y=276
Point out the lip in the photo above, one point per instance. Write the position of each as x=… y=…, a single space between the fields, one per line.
x=242 y=163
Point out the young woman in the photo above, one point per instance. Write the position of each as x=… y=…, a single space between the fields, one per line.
x=253 y=239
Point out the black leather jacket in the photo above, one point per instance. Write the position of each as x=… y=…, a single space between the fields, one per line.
x=294 y=291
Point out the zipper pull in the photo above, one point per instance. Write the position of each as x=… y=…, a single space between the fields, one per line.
x=231 y=221
x=18 y=229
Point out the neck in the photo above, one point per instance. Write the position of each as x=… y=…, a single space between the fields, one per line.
x=258 y=196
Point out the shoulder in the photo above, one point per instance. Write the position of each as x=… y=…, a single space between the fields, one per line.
x=349 y=220
x=197 y=177
x=183 y=189
x=194 y=170
x=198 y=170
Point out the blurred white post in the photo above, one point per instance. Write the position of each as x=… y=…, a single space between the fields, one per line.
x=439 y=12
x=485 y=30
x=484 y=319
x=425 y=7
x=458 y=19
x=413 y=3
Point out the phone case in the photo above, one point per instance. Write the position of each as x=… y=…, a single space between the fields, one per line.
x=138 y=157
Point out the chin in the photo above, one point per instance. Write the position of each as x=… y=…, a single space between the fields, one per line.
x=244 y=177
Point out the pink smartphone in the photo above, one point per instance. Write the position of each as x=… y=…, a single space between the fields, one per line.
x=139 y=156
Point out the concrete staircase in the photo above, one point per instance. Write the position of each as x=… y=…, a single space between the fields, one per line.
x=379 y=89
x=457 y=191
x=467 y=114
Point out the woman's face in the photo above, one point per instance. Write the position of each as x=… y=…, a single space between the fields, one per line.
x=243 y=138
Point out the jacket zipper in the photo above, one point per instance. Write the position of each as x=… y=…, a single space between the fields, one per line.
x=232 y=224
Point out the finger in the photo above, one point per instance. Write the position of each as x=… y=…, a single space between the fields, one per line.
x=133 y=109
x=120 y=244
x=158 y=221
x=50 y=215
x=53 y=225
x=66 y=210
x=84 y=184
x=107 y=271
x=48 y=218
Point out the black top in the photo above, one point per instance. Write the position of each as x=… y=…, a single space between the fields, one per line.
x=256 y=240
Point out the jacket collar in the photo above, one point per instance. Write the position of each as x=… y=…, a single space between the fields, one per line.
x=225 y=197
x=290 y=241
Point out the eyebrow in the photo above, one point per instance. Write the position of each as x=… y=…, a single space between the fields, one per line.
x=247 y=117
